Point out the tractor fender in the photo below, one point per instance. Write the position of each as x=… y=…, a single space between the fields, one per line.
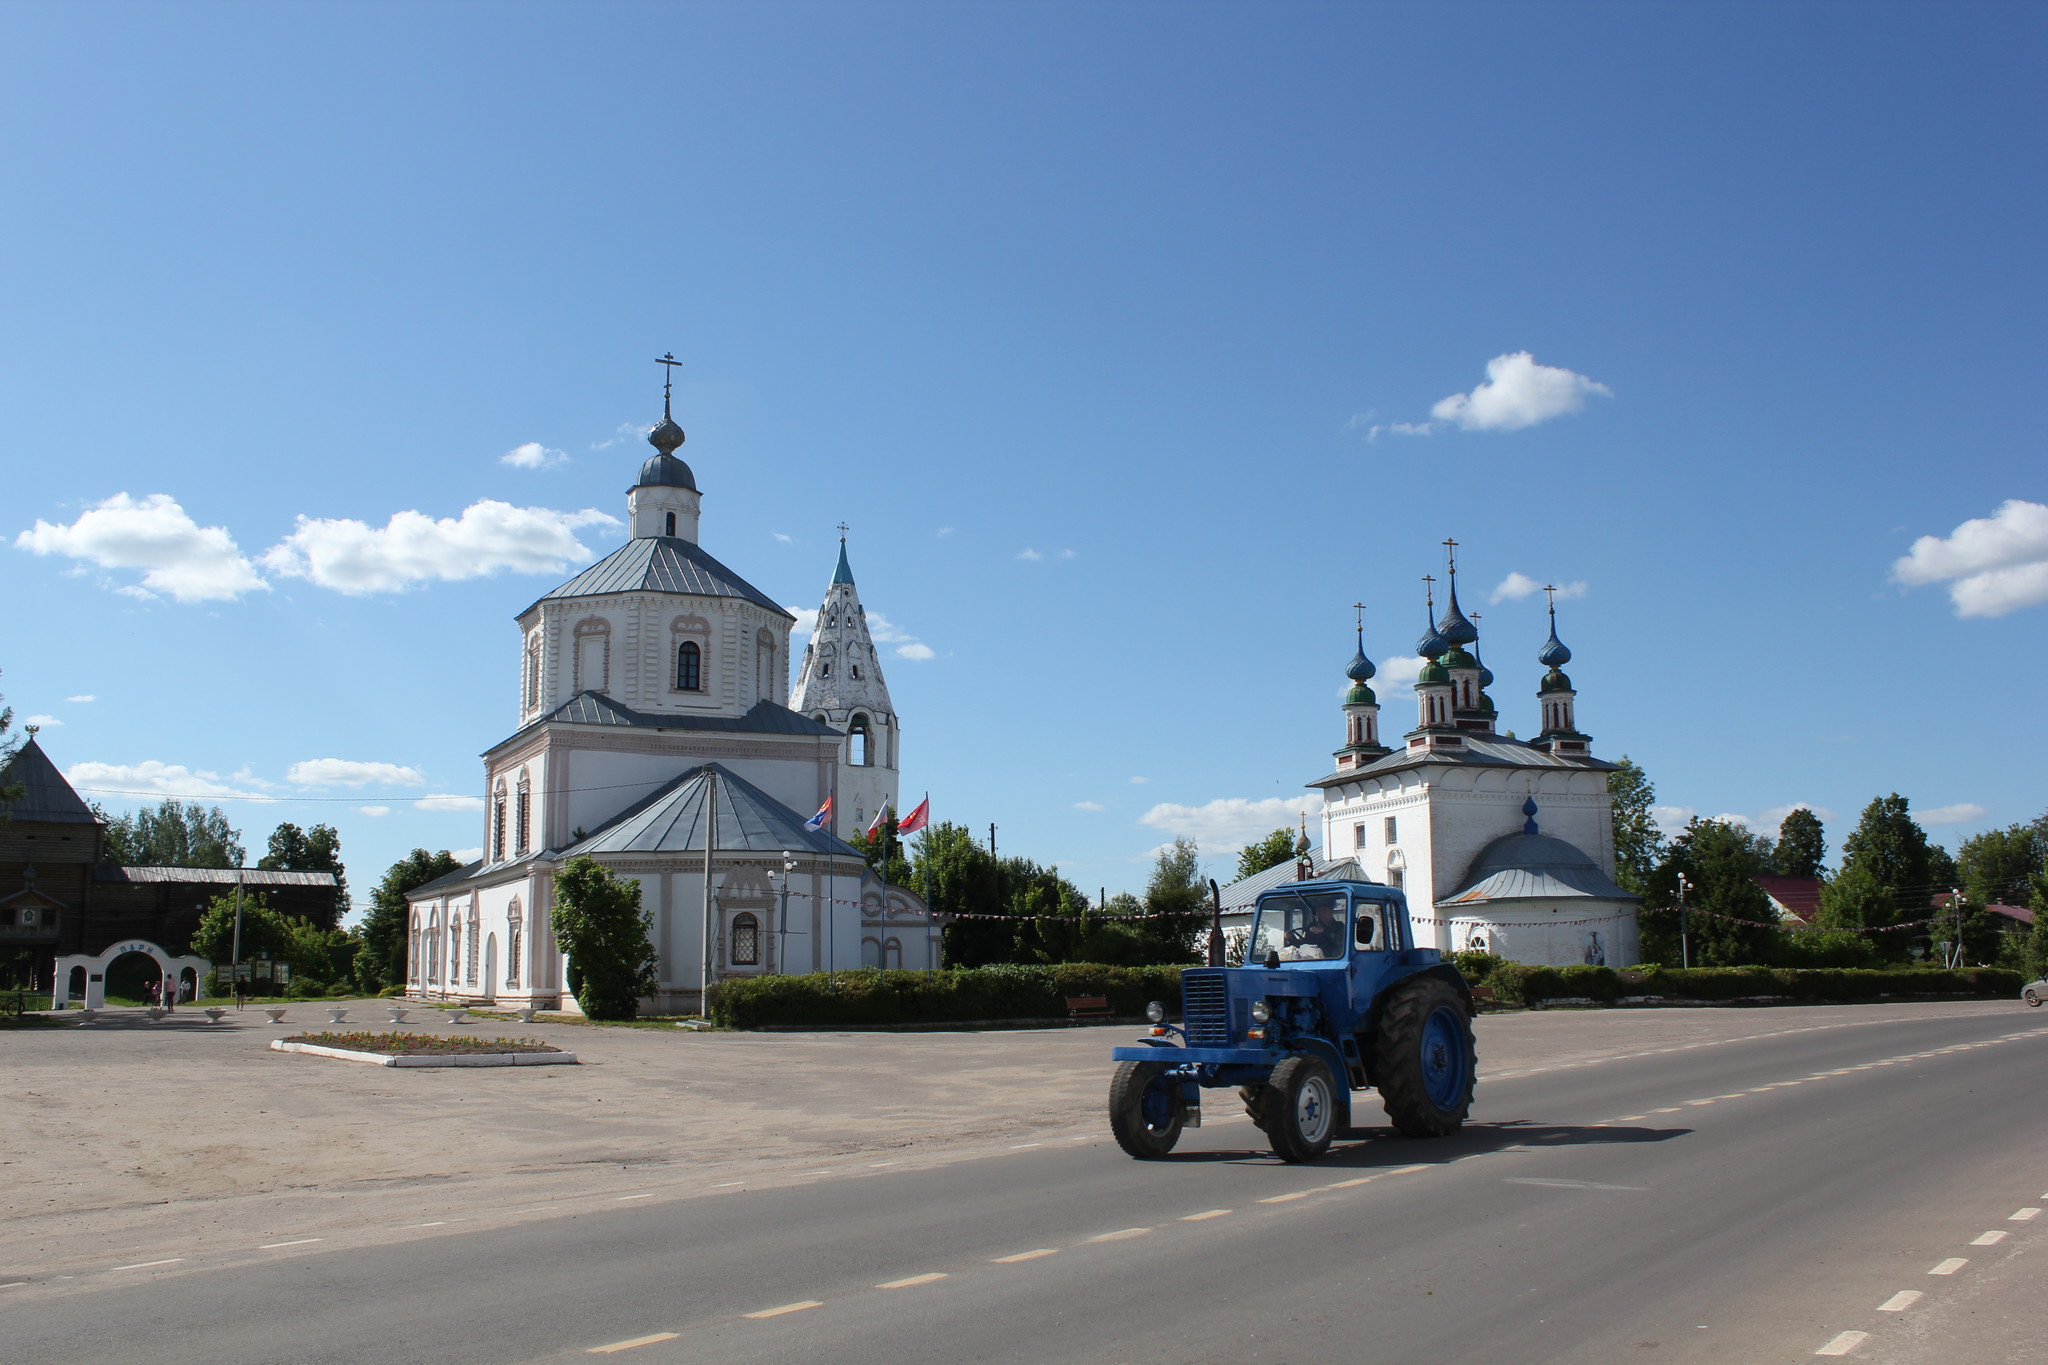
x=1443 y=971
x=1340 y=1074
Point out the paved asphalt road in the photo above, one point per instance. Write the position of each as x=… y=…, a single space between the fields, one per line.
x=1741 y=1201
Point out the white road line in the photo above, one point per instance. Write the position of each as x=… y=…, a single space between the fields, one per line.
x=1020 y=1146
x=1741 y=1094
x=624 y=1197
x=1631 y=1118
x=144 y=1265
x=796 y=1307
x=1287 y=1198
x=629 y=1345
x=13 y=1284
x=1901 y=1301
x=1205 y=1215
x=1406 y=1170
x=1119 y=1235
x=1570 y=1184
x=1950 y=1266
x=2023 y=1215
x=273 y=1246
x=1989 y=1239
x=728 y=1184
x=911 y=1282
x=441 y=1224
x=1843 y=1344
x=877 y=1165
x=1025 y=1256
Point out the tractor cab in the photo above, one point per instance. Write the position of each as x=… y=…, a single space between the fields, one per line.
x=1312 y=923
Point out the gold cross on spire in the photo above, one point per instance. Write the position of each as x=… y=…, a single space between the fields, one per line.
x=668 y=376
x=1429 y=590
x=1451 y=551
x=1550 y=594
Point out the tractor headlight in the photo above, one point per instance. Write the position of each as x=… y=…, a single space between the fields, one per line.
x=1156 y=1012
x=1261 y=1011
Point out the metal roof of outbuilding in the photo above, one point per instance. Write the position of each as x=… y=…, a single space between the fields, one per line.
x=1518 y=867
x=46 y=796
x=1239 y=895
x=213 y=876
x=662 y=564
x=1481 y=750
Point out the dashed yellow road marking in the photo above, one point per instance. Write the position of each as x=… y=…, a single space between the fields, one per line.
x=1352 y=1184
x=1287 y=1198
x=1901 y=1301
x=1119 y=1235
x=1205 y=1215
x=796 y=1307
x=1025 y=1256
x=1696 y=1103
x=1950 y=1266
x=629 y=1345
x=912 y=1281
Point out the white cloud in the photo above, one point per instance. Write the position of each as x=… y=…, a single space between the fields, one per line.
x=468 y=855
x=1230 y=822
x=42 y=721
x=1518 y=393
x=1960 y=814
x=628 y=431
x=914 y=650
x=179 y=557
x=449 y=801
x=1672 y=820
x=1993 y=565
x=1089 y=805
x=1411 y=428
x=1396 y=676
x=81 y=699
x=151 y=778
x=1768 y=821
x=806 y=620
x=1070 y=554
x=1139 y=781
x=374 y=810
x=343 y=772
x=883 y=632
x=943 y=531
x=1029 y=554
x=1518 y=585
x=781 y=537
x=352 y=557
x=533 y=455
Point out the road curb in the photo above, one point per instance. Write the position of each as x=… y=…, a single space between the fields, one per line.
x=442 y=1059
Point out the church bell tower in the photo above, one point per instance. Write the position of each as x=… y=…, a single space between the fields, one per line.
x=840 y=683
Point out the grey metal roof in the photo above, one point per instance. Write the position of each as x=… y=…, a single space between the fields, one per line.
x=662 y=564
x=1239 y=895
x=1518 y=867
x=46 y=796
x=213 y=876
x=447 y=879
x=1481 y=751
x=671 y=820
x=763 y=718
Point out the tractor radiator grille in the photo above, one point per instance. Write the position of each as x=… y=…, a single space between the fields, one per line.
x=1205 y=1002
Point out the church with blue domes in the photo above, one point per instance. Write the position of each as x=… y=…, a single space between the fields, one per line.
x=1501 y=844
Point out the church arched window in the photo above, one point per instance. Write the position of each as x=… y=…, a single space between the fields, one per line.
x=522 y=816
x=689 y=667
x=498 y=823
x=532 y=692
x=593 y=654
x=512 y=928
x=764 y=665
x=475 y=940
x=892 y=955
x=746 y=941
x=412 y=956
x=671 y=525
x=859 y=743
x=434 y=945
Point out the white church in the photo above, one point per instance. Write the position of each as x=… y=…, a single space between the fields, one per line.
x=1500 y=844
x=654 y=717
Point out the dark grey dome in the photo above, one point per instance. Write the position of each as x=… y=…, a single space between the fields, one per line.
x=1534 y=867
x=1530 y=853
x=666 y=471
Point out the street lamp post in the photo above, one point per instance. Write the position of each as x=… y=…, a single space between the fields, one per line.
x=1684 y=923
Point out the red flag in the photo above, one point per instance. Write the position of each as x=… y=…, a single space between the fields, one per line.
x=915 y=821
x=881 y=819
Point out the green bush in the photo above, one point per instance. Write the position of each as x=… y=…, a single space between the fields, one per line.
x=952 y=995
x=1516 y=983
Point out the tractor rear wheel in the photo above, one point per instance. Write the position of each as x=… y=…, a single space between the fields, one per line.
x=1298 y=1109
x=1144 y=1110
x=1424 y=1063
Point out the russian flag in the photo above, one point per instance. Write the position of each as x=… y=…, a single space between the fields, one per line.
x=915 y=821
x=824 y=814
x=881 y=821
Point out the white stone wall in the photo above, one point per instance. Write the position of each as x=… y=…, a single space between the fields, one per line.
x=745 y=651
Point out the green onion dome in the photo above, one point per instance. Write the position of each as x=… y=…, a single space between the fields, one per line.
x=1360 y=695
x=1432 y=672
x=1458 y=658
x=1555 y=681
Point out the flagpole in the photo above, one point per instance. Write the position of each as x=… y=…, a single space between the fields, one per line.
x=710 y=842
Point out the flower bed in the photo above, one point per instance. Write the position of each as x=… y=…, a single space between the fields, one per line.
x=420 y=1044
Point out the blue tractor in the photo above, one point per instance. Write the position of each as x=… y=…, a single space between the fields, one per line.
x=1334 y=997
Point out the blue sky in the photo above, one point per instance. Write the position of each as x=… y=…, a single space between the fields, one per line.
x=1106 y=327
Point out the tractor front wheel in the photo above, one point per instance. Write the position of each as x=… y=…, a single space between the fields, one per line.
x=1144 y=1110
x=1298 y=1109
x=1423 y=1059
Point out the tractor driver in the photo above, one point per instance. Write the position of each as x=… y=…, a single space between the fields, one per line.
x=1323 y=935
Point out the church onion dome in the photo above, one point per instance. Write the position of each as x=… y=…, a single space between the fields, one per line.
x=1458 y=658
x=1555 y=681
x=1360 y=695
x=666 y=471
x=1432 y=643
x=1553 y=654
x=1360 y=669
x=1432 y=672
x=1485 y=673
x=1454 y=627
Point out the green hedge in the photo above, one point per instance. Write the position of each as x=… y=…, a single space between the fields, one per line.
x=1517 y=984
x=954 y=995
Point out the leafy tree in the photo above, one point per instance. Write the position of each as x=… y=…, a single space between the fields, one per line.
x=9 y=746
x=885 y=853
x=1886 y=875
x=318 y=957
x=1720 y=863
x=1802 y=845
x=1178 y=894
x=1638 y=843
x=171 y=835
x=315 y=850
x=380 y=961
x=598 y=922
x=1998 y=867
x=1271 y=851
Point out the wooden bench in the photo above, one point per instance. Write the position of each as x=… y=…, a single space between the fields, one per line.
x=1482 y=995
x=1081 y=1007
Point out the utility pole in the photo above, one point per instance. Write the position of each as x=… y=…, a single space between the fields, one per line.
x=236 y=966
x=1684 y=923
x=710 y=842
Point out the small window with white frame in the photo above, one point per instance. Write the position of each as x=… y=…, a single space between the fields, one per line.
x=1393 y=830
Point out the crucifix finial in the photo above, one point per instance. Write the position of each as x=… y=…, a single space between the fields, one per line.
x=1550 y=594
x=668 y=376
x=1451 y=551
x=843 y=529
x=1429 y=591
x=1358 y=609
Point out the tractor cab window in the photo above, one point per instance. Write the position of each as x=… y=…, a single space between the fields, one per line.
x=1369 y=931
x=1300 y=927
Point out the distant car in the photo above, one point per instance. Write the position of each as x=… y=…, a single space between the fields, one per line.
x=2035 y=992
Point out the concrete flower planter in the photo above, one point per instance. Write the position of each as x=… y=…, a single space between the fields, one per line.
x=275 y=1013
x=526 y=1013
x=336 y=1015
x=443 y=1059
x=216 y=1013
x=457 y=1016
x=397 y=1014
